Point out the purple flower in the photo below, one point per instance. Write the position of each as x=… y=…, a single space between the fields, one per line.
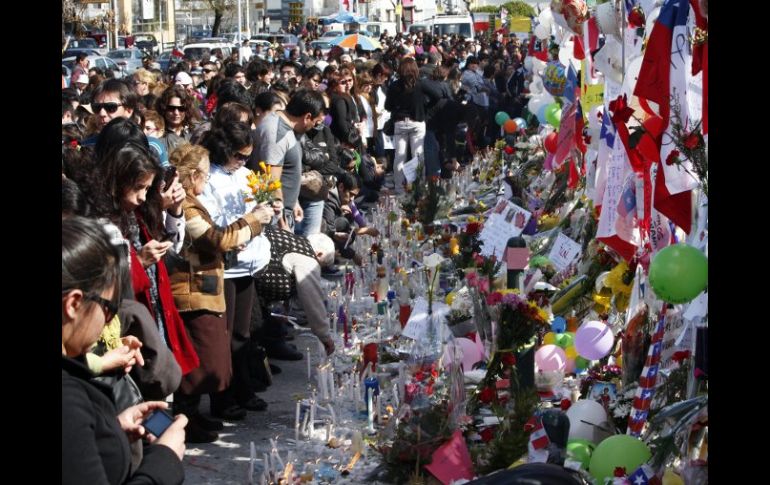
x=510 y=299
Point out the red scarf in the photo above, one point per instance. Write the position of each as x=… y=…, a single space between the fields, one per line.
x=178 y=340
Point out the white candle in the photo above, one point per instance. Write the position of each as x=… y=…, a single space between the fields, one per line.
x=328 y=431
x=395 y=395
x=379 y=409
x=333 y=414
x=379 y=332
x=332 y=387
x=305 y=424
x=308 y=364
x=296 y=421
x=312 y=415
x=370 y=406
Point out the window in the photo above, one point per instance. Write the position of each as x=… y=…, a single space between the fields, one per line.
x=463 y=29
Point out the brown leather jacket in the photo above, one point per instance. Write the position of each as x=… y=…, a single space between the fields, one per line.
x=197 y=277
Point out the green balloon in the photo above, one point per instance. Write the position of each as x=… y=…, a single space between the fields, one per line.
x=553 y=115
x=582 y=363
x=679 y=273
x=565 y=339
x=501 y=117
x=580 y=450
x=618 y=450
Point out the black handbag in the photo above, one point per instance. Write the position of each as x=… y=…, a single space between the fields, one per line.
x=125 y=392
x=389 y=128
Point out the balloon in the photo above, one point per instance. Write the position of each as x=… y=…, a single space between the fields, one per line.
x=328 y=120
x=671 y=478
x=553 y=115
x=510 y=126
x=575 y=13
x=550 y=358
x=570 y=367
x=565 y=340
x=594 y=340
x=583 y=415
x=549 y=338
x=538 y=66
x=501 y=117
x=559 y=324
x=678 y=273
x=618 y=451
x=528 y=63
x=471 y=353
x=520 y=123
x=541 y=114
x=580 y=450
x=551 y=143
x=566 y=52
x=554 y=78
x=546 y=17
x=582 y=363
x=536 y=86
x=571 y=352
x=542 y=32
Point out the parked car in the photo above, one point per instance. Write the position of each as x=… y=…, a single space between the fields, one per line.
x=324 y=45
x=103 y=63
x=128 y=59
x=264 y=44
x=203 y=50
x=147 y=42
x=164 y=59
x=332 y=34
x=85 y=43
x=75 y=52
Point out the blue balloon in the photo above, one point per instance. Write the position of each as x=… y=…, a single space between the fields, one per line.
x=520 y=123
x=541 y=114
x=559 y=325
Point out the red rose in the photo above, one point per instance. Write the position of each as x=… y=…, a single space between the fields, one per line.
x=419 y=375
x=487 y=395
x=692 y=141
x=672 y=157
x=74 y=143
x=620 y=110
x=508 y=150
x=434 y=374
x=494 y=298
x=472 y=228
x=565 y=404
x=680 y=356
x=471 y=336
x=620 y=471
x=508 y=359
x=487 y=435
x=636 y=17
x=478 y=259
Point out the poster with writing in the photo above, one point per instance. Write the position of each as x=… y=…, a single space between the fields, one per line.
x=675 y=324
x=410 y=170
x=506 y=221
x=417 y=326
x=564 y=252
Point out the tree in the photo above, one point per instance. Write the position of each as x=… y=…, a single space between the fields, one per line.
x=220 y=7
x=515 y=8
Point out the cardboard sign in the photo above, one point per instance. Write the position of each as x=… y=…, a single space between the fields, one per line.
x=410 y=170
x=506 y=221
x=564 y=252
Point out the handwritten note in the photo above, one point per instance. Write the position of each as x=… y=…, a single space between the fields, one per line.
x=451 y=461
x=675 y=324
x=564 y=252
x=410 y=170
x=506 y=221
x=417 y=326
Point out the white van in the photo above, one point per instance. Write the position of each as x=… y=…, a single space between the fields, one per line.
x=451 y=24
x=201 y=49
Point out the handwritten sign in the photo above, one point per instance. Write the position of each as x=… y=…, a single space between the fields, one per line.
x=506 y=221
x=451 y=461
x=675 y=324
x=410 y=170
x=564 y=252
x=417 y=326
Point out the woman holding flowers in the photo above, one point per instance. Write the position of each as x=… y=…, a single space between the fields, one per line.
x=197 y=282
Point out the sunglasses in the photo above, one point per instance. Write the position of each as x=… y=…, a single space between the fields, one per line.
x=108 y=107
x=240 y=156
x=175 y=108
x=109 y=308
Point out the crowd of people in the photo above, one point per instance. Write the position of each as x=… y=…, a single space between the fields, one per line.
x=172 y=277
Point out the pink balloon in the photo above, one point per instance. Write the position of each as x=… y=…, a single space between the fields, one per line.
x=594 y=340
x=550 y=357
x=470 y=352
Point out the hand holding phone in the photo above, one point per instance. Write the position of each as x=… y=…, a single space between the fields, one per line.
x=168 y=177
x=158 y=422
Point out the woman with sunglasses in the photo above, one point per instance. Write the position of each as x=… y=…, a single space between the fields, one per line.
x=343 y=109
x=180 y=113
x=197 y=284
x=95 y=439
x=127 y=191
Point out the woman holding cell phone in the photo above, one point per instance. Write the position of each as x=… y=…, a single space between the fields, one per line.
x=95 y=439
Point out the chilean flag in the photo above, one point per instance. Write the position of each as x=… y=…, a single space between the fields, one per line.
x=665 y=79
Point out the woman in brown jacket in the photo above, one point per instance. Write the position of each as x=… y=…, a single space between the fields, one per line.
x=197 y=283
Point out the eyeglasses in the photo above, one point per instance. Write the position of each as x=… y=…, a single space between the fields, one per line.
x=109 y=308
x=108 y=107
x=175 y=108
x=240 y=156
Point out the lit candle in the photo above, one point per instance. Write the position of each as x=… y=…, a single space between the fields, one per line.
x=312 y=414
x=370 y=407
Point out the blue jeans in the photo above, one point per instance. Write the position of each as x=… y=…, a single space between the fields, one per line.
x=311 y=222
x=432 y=154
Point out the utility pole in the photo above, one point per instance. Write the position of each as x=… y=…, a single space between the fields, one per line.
x=248 y=20
x=240 y=22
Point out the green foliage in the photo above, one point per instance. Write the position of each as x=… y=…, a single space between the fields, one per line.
x=515 y=9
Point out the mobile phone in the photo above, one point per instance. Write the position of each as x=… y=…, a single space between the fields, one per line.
x=168 y=176
x=158 y=422
x=168 y=236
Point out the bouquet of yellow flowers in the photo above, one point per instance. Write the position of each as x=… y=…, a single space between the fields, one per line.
x=260 y=184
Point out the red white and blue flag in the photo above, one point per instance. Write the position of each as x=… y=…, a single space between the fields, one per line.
x=666 y=79
x=647 y=381
x=644 y=475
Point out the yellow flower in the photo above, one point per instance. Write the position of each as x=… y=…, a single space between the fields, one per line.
x=450 y=298
x=454 y=246
x=263 y=166
x=274 y=185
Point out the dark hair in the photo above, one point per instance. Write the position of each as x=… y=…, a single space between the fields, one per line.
x=256 y=68
x=381 y=68
x=230 y=90
x=347 y=155
x=192 y=115
x=73 y=200
x=306 y=101
x=69 y=95
x=311 y=72
x=128 y=97
x=440 y=73
x=223 y=141
x=81 y=56
x=347 y=180
x=408 y=73
x=232 y=69
x=66 y=107
x=89 y=261
x=118 y=170
x=231 y=112
x=291 y=64
x=117 y=132
x=489 y=70
x=266 y=100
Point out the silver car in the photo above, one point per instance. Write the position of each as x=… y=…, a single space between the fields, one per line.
x=103 y=63
x=128 y=59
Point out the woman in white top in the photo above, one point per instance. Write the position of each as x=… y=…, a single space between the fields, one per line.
x=366 y=109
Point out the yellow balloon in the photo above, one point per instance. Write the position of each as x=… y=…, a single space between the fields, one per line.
x=549 y=338
x=671 y=478
x=571 y=352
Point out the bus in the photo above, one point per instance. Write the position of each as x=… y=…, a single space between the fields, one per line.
x=445 y=25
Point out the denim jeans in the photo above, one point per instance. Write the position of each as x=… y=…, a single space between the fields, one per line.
x=432 y=154
x=408 y=134
x=311 y=222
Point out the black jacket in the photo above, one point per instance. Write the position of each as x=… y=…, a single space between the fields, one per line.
x=344 y=113
x=94 y=447
x=321 y=153
x=439 y=95
x=406 y=104
x=335 y=221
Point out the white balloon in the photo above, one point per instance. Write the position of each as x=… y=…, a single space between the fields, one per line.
x=586 y=418
x=538 y=66
x=566 y=52
x=546 y=17
x=560 y=20
x=542 y=32
x=528 y=63
x=536 y=86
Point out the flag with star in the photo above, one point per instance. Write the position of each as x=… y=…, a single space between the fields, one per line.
x=647 y=381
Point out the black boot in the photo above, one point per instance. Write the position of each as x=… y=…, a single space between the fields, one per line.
x=195 y=433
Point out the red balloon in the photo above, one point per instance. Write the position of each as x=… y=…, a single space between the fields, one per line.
x=551 y=141
x=510 y=126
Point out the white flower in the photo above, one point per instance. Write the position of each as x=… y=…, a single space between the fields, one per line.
x=433 y=260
